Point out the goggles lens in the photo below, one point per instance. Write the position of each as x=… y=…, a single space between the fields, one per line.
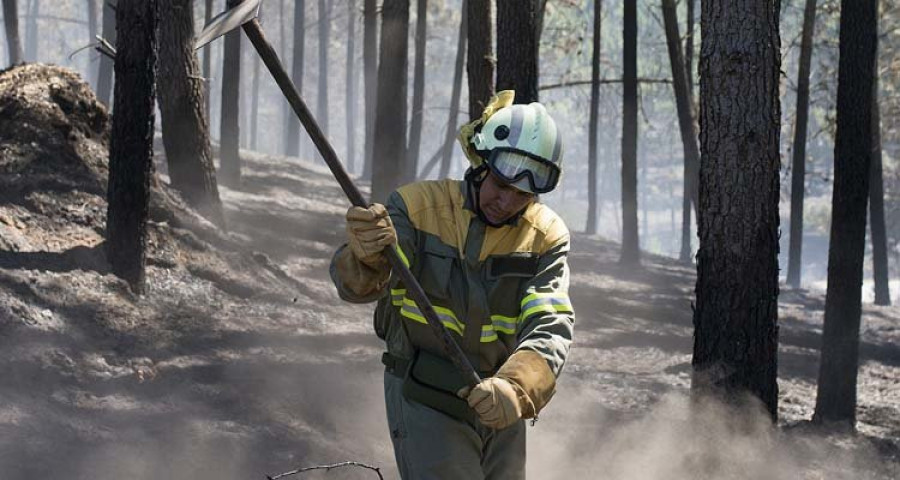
x=514 y=167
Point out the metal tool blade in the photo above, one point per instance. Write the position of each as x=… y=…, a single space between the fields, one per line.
x=227 y=21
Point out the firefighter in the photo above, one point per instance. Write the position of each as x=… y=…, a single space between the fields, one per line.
x=492 y=260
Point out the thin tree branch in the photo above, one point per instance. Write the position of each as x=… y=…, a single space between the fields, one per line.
x=602 y=81
x=327 y=468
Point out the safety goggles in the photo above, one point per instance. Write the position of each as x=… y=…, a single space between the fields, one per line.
x=523 y=171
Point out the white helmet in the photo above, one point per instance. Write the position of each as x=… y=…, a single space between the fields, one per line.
x=522 y=146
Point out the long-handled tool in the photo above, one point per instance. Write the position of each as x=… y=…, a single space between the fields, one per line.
x=244 y=13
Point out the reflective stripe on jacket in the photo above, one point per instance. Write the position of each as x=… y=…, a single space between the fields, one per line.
x=496 y=290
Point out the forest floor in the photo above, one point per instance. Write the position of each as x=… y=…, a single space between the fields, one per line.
x=240 y=360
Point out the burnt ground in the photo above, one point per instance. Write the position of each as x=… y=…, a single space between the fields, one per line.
x=241 y=361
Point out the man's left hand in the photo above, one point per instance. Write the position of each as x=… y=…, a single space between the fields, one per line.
x=496 y=402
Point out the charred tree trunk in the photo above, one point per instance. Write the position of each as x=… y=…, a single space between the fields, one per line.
x=876 y=209
x=131 y=144
x=390 y=123
x=798 y=166
x=105 y=73
x=593 y=211
x=839 y=363
x=13 y=40
x=370 y=80
x=418 y=99
x=683 y=104
x=480 y=57
x=185 y=129
x=350 y=92
x=324 y=36
x=631 y=252
x=455 y=94
x=230 y=130
x=292 y=133
x=517 y=48
x=736 y=313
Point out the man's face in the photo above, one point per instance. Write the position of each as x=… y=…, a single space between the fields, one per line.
x=500 y=201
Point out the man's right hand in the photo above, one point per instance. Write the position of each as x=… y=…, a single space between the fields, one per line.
x=369 y=231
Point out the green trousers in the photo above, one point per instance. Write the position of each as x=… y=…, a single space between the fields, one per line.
x=430 y=445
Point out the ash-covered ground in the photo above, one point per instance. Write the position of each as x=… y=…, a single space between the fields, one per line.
x=241 y=361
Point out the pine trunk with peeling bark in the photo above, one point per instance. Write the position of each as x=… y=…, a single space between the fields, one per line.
x=517 y=48
x=736 y=312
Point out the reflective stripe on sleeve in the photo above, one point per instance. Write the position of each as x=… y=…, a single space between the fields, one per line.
x=544 y=302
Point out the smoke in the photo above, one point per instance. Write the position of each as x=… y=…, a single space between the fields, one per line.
x=677 y=439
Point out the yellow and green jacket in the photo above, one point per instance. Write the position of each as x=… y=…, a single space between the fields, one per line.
x=497 y=290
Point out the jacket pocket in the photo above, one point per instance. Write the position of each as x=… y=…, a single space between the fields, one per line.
x=436 y=270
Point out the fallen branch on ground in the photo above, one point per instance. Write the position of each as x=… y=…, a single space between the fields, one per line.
x=326 y=467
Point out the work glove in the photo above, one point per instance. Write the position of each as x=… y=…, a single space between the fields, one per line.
x=496 y=402
x=369 y=231
x=520 y=389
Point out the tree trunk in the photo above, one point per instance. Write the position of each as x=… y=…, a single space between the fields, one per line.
x=370 y=79
x=876 y=209
x=324 y=36
x=517 y=48
x=736 y=313
x=685 y=123
x=131 y=143
x=631 y=252
x=13 y=40
x=105 y=72
x=689 y=48
x=230 y=130
x=593 y=211
x=292 y=133
x=351 y=86
x=798 y=166
x=418 y=99
x=207 y=65
x=31 y=32
x=480 y=60
x=839 y=363
x=184 y=127
x=92 y=27
x=390 y=123
x=455 y=94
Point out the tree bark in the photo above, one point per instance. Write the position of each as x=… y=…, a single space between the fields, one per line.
x=292 y=132
x=105 y=72
x=230 y=130
x=798 y=166
x=418 y=98
x=184 y=126
x=683 y=104
x=736 y=313
x=876 y=209
x=839 y=364
x=517 y=48
x=370 y=79
x=455 y=94
x=480 y=58
x=593 y=197
x=631 y=252
x=350 y=92
x=324 y=36
x=131 y=144
x=390 y=123
x=689 y=48
x=13 y=40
